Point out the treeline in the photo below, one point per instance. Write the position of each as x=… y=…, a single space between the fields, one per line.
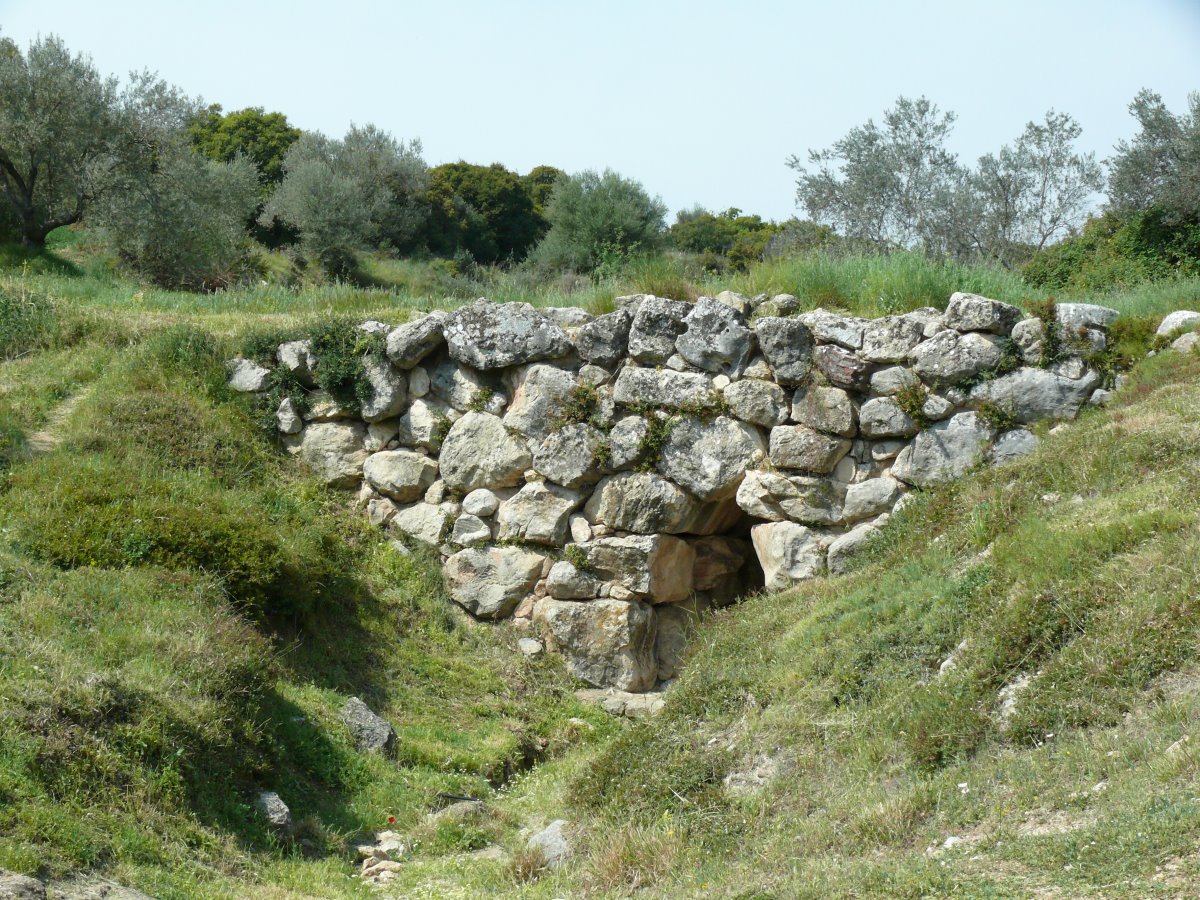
x=190 y=195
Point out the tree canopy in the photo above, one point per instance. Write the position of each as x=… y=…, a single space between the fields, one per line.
x=262 y=137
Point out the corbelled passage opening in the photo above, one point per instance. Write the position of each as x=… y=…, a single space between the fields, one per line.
x=606 y=479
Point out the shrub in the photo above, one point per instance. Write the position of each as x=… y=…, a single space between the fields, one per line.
x=343 y=348
x=28 y=321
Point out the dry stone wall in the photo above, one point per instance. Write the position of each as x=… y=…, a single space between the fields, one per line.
x=606 y=479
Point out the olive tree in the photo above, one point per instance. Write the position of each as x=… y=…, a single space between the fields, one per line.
x=345 y=195
x=1161 y=166
x=592 y=214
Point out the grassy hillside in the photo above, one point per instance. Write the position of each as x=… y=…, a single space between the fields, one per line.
x=183 y=613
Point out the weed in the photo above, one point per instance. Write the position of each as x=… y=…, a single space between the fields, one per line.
x=577 y=556
x=912 y=399
x=342 y=349
x=527 y=864
x=582 y=405
x=654 y=441
x=481 y=400
x=997 y=415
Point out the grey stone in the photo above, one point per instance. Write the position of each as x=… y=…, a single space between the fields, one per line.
x=571 y=318
x=709 y=459
x=604 y=340
x=842 y=367
x=334 y=450
x=655 y=327
x=843 y=548
x=580 y=528
x=787 y=345
x=759 y=402
x=893 y=380
x=641 y=502
x=490 y=582
x=1033 y=394
x=298 y=359
x=1013 y=444
x=389 y=390
x=418 y=382
x=20 y=887
x=537 y=514
x=1181 y=318
x=935 y=408
x=566 y=582
x=1030 y=337
x=382 y=435
x=944 y=451
x=593 y=375
x=971 y=312
x=400 y=474
x=468 y=530
x=1072 y=367
x=1186 y=343
x=887 y=449
x=411 y=342
x=889 y=339
x=777 y=497
x=931 y=320
x=380 y=511
x=425 y=424
x=423 y=522
x=664 y=387
x=480 y=502
x=625 y=441
x=604 y=642
x=323 y=408
x=787 y=553
x=249 y=377
x=825 y=409
x=480 y=452
x=371 y=733
x=801 y=447
x=734 y=300
x=539 y=394
x=657 y=568
x=373 y=326
x=871 y=497
x=948 y=357
x=531 y=648
x=272 y=808
x=486 y=335
x=568 y=455
x=831 y=328
x=461 y=388
x=882 y=417
x=1074 y=316
x=716 y=337
x=287 y=419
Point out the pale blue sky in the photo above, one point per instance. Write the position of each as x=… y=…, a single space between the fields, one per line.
x=701 y=101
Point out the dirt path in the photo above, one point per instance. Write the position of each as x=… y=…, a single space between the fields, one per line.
x=48 y=438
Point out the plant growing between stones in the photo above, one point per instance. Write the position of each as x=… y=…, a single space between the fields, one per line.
x=342 y=350
x=911 y=399
x=997 y=415
x=654 y=441
x=577 y=556
x=581 y=406
x=480 y=400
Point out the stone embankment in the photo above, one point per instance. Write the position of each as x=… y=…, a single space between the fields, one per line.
x=605 y=479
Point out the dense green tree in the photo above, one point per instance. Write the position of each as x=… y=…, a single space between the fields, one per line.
x=183 y=222
x=345 y=195
x=1161 y=166
x=728 y=238
x=592 y=215
x=262 y=137
x=539 y=184
x=62 y=132
x=493 y=195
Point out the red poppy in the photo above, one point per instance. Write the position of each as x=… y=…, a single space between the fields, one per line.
x=391 y=820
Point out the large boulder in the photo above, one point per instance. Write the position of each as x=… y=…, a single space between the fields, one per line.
x=709 y=458
x=249 y=377
x=296 y=357
x=1074 y=316
x=539 y=393
x=889 y=339
x=20 y=887
x=1033 y=394
x=664 y=387
x=486 y=335
x=537 y=514
x=716 y=338
x=566 y=582
x=626 y=442
x=371 y=733
x=411 y=342
x=970 y=312
x=944 y=451
x=787 y=553
x=389 y=390
x=1181 y=318
x=842 y=367
x=827 y=409
x=801 y=447
x=760 y=402
x=480 y=452
x=948 y=357
x=788 y=346
x=568 y=456
x=641 y=502
x=843 y=548
x=463 y=388
x=871 y=497
x=334 y=450
x=655 y=327
x=400 y=474
x=1030 y=337
x=489 y=582
x=657 y=567
x=425 y=424
x=831 y=328
x=607 y=643
x=423 y=522
x=604 y=340
x=777 y=497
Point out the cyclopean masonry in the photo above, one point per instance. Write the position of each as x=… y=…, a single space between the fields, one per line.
x=605 y=479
